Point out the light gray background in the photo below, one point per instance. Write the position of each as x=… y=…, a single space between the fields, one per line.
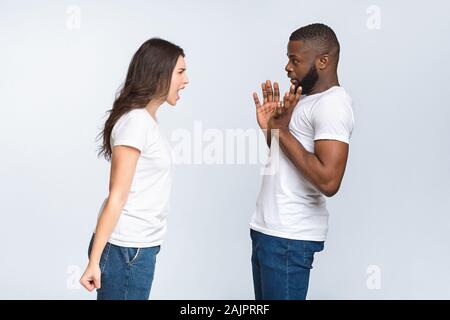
x=57 y=82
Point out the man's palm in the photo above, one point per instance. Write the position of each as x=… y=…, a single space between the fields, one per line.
x=264 y=112
x=271 y=98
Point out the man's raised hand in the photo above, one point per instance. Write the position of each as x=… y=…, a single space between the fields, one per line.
x=271 y=99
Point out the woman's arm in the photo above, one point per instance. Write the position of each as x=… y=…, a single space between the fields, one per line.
x=123 y=167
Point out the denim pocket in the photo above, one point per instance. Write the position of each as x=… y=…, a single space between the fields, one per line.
x=133 y=255
x=314 y=246
x=104 y=258
x=310 y=248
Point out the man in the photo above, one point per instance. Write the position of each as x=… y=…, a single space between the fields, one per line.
x=312 y=127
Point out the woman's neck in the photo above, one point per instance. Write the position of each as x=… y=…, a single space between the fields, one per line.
x=152 y=107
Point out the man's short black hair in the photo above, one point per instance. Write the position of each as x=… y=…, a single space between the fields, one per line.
x=321 y=35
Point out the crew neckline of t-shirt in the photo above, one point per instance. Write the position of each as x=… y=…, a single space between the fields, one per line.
x=150 y=116
x=320 y=93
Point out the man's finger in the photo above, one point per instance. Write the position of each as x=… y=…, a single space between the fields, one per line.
x=291 y=95
x=292 y=90
x=256 y=99
x=286 y=100
x=298 y=95
x=264 y=92
x=269 y=91
x=280 y=108
x=276 y=92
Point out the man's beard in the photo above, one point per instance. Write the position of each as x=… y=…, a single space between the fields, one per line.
x=308 y=81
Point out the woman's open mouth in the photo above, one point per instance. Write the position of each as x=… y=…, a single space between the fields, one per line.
x=178 y=93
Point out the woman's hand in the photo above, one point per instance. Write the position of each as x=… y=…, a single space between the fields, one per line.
x=91 y=278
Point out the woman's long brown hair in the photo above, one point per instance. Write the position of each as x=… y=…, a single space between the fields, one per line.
x=148 y=77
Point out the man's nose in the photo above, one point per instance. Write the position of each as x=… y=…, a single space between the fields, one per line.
x=288 y=68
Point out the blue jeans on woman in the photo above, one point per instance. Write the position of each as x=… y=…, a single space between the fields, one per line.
x=281 y=267
x=126 y=273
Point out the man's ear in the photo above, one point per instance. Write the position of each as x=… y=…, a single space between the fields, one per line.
x=322 y=61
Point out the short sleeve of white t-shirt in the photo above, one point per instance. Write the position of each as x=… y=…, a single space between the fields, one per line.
x=332 y=118
x=131 y=130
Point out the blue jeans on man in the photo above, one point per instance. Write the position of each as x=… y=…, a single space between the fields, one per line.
x=281 y=267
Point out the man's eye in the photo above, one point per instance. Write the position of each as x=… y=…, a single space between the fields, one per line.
x=296 y=61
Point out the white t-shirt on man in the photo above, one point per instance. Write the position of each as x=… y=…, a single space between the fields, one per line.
x=143 y=220
x=288 y=205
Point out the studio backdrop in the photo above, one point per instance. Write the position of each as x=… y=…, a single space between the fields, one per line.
x=62 y=62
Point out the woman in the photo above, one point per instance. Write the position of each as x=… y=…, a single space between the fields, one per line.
x=132 y=219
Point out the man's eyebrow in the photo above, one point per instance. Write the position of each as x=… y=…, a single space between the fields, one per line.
x=293 y=56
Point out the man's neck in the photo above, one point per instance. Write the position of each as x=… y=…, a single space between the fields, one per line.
x=324 y=83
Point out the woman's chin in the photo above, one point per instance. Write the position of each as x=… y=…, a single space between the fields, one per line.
x=172 y=102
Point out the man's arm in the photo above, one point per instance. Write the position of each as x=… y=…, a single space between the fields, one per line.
x=324 y=168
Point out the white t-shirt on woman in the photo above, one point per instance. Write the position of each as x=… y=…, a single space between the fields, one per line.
x=143 y=221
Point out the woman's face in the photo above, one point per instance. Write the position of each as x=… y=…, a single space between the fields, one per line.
x=178 y=83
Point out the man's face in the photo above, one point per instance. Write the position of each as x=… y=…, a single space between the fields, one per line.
x=301 y=66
